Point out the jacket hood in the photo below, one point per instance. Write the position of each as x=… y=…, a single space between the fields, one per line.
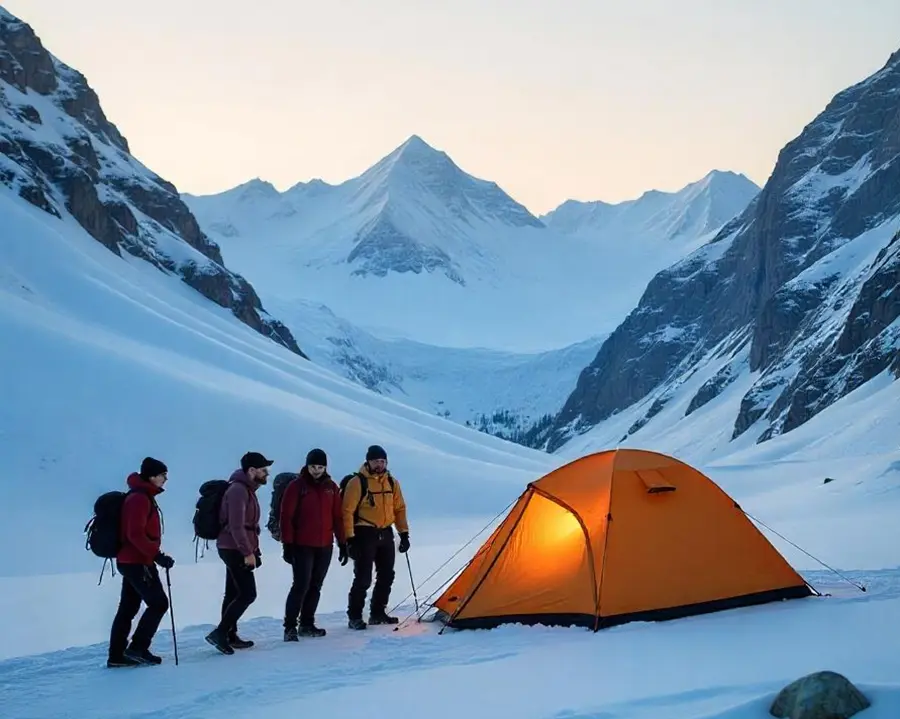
x=239 y=475
x=139 y=484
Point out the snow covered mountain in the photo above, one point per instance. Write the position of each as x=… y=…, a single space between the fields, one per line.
x=793 y=305
x=105 y=359
x=59 y=152
x=428 y=284
x=443 y=258
x=502 y=393
x=685 y=218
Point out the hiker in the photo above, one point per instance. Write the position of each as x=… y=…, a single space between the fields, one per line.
x=310 y=519
x=238 y=547
x=368 y=520
x=137 y=559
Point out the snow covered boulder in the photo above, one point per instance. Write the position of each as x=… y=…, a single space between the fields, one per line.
x=821 y=695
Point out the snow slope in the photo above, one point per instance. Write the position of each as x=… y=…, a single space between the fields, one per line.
x=112 y=359
x=59 y=152
x=105 y=359
x=417 y=248
x=725 y=666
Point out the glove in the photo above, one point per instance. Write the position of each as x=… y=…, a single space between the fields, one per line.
x=164 y=560
x=258 y=559
x=404 y=542
x=342 y=554
x=287 y=553
x=351 y=548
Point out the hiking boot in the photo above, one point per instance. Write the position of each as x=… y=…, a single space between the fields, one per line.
x=290 y=635
x=382 y=618
x=122 y=661
x=219 y=641
x=142 y=656
x=356 y=624
x=311 y=630
x=235 y=641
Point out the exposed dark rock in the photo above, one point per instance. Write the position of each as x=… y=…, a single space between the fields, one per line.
x=839 y=178
x=381 y=248
x=98 y=182
x=821 y=695
x=167 y=208
x=711 y=389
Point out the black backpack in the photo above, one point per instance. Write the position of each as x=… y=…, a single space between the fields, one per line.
x=206 y=512
x=103 y=530
x=363 y=490
x=279 y=484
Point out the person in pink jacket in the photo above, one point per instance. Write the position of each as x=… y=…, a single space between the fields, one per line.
x=238 y=547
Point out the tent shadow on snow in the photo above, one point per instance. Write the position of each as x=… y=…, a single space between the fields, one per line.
x=613 y=537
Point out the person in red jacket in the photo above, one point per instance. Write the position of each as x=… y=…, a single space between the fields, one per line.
x=141 y=537
x=310 y=516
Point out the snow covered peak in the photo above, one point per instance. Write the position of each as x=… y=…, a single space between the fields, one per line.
x=695 y=211
x=415 y=173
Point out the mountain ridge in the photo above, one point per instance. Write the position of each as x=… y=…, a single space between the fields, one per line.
x=60 y=152
x=775 y=288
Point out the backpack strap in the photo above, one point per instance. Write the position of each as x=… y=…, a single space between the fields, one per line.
x=364 y=493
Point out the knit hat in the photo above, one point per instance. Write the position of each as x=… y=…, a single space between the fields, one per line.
x=151 y=467
x=376 y=452
x=317 y=456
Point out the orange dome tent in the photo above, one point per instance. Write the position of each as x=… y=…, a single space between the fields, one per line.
x=614 y=537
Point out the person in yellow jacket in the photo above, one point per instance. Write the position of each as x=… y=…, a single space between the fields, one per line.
x=369 y=521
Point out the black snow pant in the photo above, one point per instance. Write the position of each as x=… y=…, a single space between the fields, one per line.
x=310 y=565
x=240 y=590
x=140 y=583
x=374 y=548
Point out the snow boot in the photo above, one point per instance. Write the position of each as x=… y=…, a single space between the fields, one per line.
x=235 y=641
x=122 y=661
x=356 y=624
x=382 y=618
x=142 y=656
x=290 y=635
x=219 y=641
x=311 y=630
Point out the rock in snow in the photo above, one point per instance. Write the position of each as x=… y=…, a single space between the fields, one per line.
x=821 y=695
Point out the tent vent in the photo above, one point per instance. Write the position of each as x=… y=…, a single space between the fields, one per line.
x=655 y=482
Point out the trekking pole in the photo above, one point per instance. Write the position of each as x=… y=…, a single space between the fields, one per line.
x=172 y=615
x=411 y=582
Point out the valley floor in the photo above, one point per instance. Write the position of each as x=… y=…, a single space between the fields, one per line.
x=728 y=664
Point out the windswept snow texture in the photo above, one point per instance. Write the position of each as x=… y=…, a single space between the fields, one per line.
x=725 y=666
x=418 y=249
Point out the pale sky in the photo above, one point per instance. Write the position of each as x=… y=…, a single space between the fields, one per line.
x=583 y=99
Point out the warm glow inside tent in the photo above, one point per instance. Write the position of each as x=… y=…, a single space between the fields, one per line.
x=613 y=537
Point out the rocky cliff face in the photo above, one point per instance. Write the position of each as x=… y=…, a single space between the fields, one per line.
x=806 y=279
x=59 y=152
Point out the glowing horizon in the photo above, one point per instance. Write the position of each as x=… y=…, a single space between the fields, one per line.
x=572 y=101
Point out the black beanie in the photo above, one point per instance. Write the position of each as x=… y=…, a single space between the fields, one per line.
x=376 y=452
x=151 y=467
x=317 y=456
